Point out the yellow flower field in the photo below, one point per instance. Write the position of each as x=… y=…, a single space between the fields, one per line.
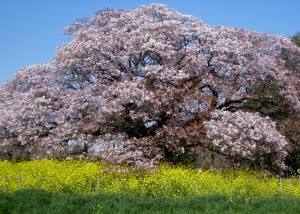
x=91 y=178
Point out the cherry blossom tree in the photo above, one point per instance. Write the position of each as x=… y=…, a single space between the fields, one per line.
x=149 y=83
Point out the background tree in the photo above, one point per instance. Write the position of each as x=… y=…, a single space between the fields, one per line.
x=296 y=39
x=269 y=102
x=290 y=124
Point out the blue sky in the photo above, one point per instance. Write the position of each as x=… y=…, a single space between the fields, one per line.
x=31 y=30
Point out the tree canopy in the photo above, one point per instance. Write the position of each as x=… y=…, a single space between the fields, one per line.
x=152 y=84
x=296 y=39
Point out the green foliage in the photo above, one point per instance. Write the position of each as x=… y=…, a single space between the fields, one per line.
x=296 y=39
x=268 y=100
x=21 y=159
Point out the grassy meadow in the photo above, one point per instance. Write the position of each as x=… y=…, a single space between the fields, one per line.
x=90 y=187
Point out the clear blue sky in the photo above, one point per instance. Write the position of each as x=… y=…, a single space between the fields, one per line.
x=30 y=30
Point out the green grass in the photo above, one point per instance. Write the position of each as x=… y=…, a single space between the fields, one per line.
x=40 y=201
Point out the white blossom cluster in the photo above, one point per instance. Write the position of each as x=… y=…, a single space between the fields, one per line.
x=245 y=134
